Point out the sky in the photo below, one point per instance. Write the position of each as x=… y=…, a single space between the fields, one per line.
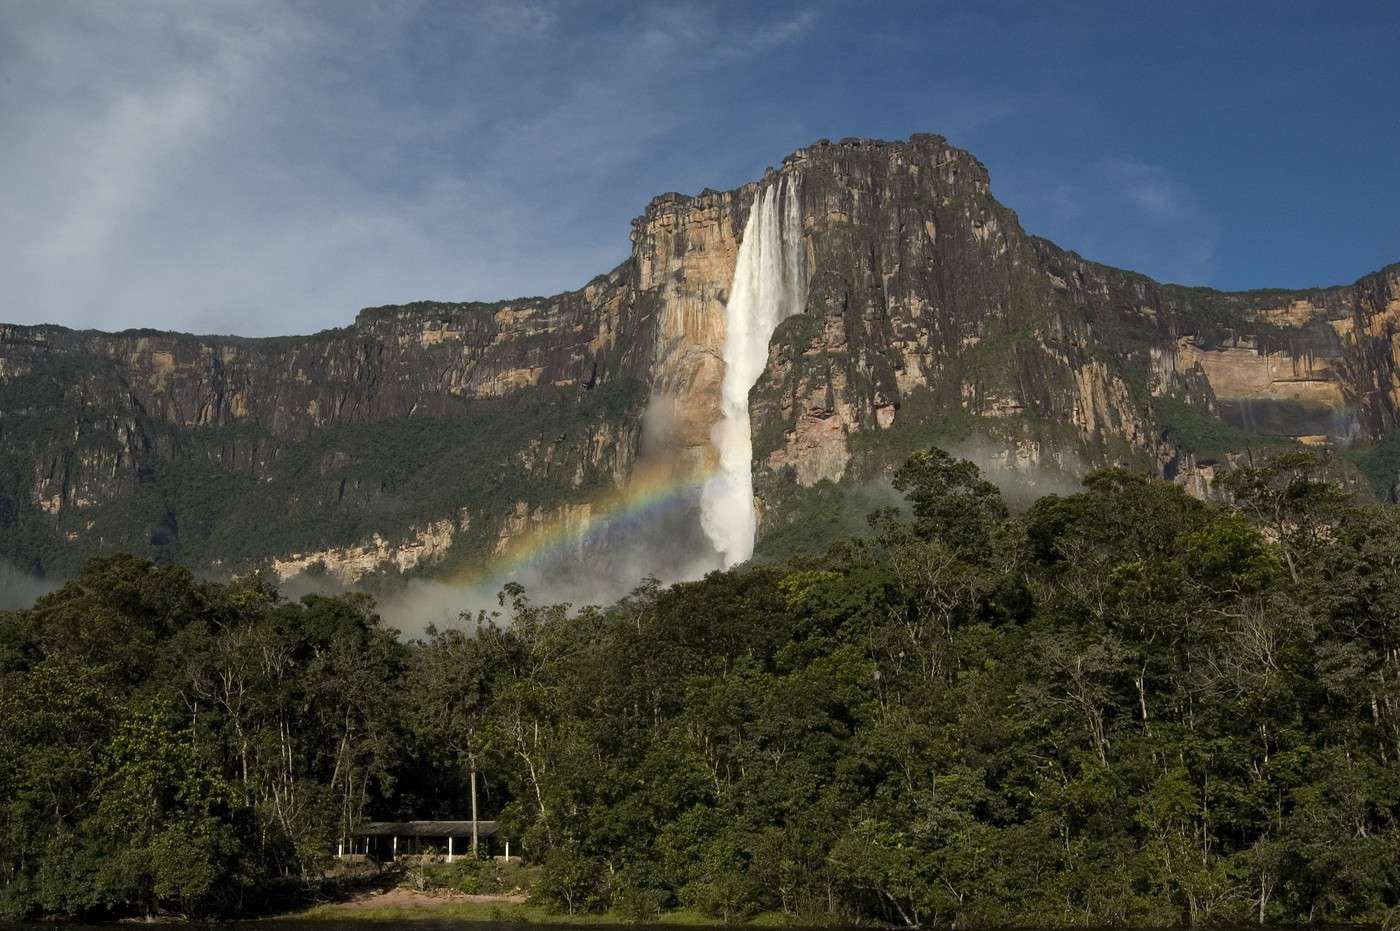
x=260 y=168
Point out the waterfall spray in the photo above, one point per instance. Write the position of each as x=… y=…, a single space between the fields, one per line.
x=770 y=284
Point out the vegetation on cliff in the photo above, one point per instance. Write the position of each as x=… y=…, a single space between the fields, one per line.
x=234 y=496
x=1122 y=707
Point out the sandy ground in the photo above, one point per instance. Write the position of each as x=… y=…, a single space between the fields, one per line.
x=400 y=897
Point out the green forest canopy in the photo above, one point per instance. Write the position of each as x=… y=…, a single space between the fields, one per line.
x=1122 y=707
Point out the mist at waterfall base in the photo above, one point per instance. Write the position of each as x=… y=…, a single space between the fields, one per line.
x=691 y=529
x=598 y=567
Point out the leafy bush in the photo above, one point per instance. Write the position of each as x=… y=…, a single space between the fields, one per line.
x=465 y=875
x=636 y=903
x=569 y=884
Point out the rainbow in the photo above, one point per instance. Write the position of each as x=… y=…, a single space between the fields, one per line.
x=648 y=494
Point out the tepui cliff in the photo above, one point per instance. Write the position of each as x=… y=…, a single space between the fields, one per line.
x=432 y=437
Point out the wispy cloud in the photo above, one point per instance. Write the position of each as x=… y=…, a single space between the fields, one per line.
x=1125 y=211
x=258 y=167
x=1150 y=187
x=1162 y=219
x=780 y=32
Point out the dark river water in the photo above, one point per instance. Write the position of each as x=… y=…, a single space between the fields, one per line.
x=414 y=924
x=430 y=924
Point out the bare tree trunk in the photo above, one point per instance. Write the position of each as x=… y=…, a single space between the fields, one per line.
x=1141 y=679
x=475 y=833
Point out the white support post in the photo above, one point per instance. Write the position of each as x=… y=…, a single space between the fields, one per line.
x=396 y=847
x=507 y=851
x=449 y=848
x=340 y=851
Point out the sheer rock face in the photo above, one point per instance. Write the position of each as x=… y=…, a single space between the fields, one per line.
x=928 y=294
x=683 y=252
x=417 y=359
x=1333 y=348
x=932 y=317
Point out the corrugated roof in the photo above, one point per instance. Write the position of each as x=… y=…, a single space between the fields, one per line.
x=425 y=829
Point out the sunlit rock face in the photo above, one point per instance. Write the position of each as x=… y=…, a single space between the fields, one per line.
x=1317 y=365
x=922 y=314
x=684 y=251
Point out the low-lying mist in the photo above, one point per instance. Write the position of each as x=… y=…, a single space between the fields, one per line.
x=667 y=544
x=596 y=567
x=598 y=571
x=611 y=564
x=19 y=589
x=1022 y=474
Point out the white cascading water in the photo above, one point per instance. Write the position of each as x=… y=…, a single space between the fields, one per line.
x=770 y=284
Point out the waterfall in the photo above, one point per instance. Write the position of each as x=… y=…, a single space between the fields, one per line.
x=770 y=284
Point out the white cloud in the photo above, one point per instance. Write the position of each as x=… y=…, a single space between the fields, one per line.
x=1123 y=211
x=1164 y=221
x=770 y=35
x=1150 y=187
x=256 y=167
x=115 y=163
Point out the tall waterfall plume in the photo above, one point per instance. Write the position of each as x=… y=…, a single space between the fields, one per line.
x=770 y=284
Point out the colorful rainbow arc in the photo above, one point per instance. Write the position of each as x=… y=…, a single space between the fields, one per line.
x=647 y=494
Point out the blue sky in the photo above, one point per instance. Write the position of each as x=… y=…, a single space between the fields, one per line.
x=254 y=167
